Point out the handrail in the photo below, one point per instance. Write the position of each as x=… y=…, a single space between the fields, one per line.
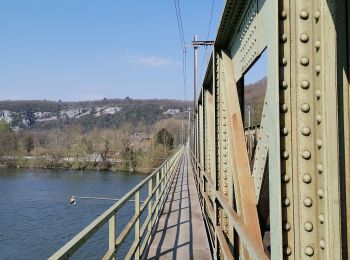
x=163 y=175
x=254 y=250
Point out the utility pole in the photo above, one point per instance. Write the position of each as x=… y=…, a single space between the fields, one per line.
x=195 y=72
x=196 y=44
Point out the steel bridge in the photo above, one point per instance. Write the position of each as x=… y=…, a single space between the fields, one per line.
x=280 y=190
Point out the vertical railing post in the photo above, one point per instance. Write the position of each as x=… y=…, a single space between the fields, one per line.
x=150 y=188
x=137 y=224
x=162 y=181
x=157 y=194
x=111 y=234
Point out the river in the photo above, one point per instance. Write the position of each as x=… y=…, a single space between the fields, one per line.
x=36 y=218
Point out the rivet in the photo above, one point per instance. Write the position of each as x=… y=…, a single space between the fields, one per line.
x=305 y=107
x=285 y=178
x=285 y=155
x=317 y=15
x=286 y=202
x=318 y=69
x=320 y=193
x=286 y=226
x=284 y=131
x=283 y=14
x=308 y=226
x=284 y=108
x=317 y=44
x=306 y=155
x=307 y=178
x=321 y=218
x=287 y=250
x=306 y=131
x=319 y=143
x=309 y=251
x=318 y=118
x=318 y=93
x=320 y=168
x=283 y=61
x=308 y=202
x=305 y=84
x=283 y=38
x=304 y=38
x=322 y=244
x=284 y=84
x=304 y=15
x=304 y=61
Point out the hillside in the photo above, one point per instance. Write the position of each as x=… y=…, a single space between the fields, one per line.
x=254 y=96
x=107 y=113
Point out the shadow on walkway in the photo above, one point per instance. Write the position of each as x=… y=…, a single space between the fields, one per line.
x=180 y=231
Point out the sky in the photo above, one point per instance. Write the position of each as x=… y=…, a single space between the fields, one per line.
x=93 y=49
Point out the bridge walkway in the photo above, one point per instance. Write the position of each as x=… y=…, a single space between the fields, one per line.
x=180 y=232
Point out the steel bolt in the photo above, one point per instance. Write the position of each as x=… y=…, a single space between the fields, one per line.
x=307 y=178
x=322 y=244
x=318 y=69
x=286 y=226
x=320 y=168
x=305 y=107
x=308 y=202
x=283 y=84
x=308 y=226
x=305 y=84
x=286 y=202
x=309 y=251
x=284 y=131
x=318 y=94
x=285 y=155
x=304 y=15
x=304 y=61
x=321 y=218
x=284 y=108
x=320 y=193
x=318 y=118
x=304 y=38
x=306 y=131
x=306 y=155
x=317 y=44
x=287 y=250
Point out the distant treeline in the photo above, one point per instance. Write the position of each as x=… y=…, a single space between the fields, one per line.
x=127 y=147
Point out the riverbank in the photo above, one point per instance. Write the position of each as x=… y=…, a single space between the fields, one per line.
x=21 y=163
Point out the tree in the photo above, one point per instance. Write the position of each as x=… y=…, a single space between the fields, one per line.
x=129 y=155
x=29 y=143
x=165 y=138
x=6 y=140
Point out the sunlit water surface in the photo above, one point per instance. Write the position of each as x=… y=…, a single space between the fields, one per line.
x=36 y=218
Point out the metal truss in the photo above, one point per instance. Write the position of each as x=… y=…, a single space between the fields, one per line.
x=282 y=190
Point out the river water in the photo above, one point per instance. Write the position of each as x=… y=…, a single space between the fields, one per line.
x=36 y=218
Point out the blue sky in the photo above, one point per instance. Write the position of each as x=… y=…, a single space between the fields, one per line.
x=91 y=49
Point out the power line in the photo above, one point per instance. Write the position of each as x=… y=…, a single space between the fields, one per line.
x=179 y=24
x=209 y=27
x=183 y=48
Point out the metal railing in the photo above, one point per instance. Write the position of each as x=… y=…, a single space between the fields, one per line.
x=163 y=178
x=211 y=200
